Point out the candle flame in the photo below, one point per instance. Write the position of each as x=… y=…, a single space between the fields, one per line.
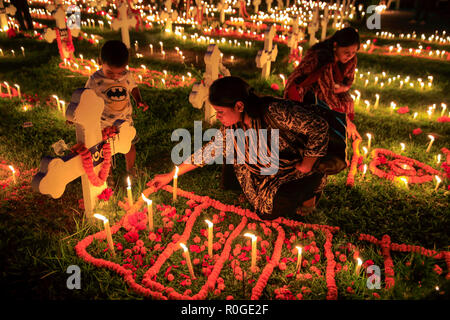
x=129 y=182
x=431 y=137
x=359 y=261
x=250 y=235
x=210 y=224
x=12 y=169
x=403 y=146
x=182 y=245
x=149 y=202
x=438 y=179
x=299 y=249
x=176 y=172
x=101 y=217
x=365 y=169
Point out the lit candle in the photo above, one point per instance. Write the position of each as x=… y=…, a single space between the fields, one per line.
x=299 y=259
x=23 y=51
x=107 y=230
x=444 y=106
x=365 y=151
x=254 y=238
x=364 y=170
x=358 y=266
x=188 y=259
x=438 y=181
x=162 y=46
x=415 y=115
x=18 y=90
x=129 y=194
x=438 y=158
x=149 y=212
x=367 y=102
x=358 y=95
x=164 y=54
x=369 y=136
x=175 y=183
x=431 y=142
x=283 y=79
x=393 y=105
x=377 y=96
x=403 y=146
x=151 y=49
x=210 y=237
x=405 y=181
x=13 y=174
x=8 y=88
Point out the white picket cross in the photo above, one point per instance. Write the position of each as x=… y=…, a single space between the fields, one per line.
x=4 y=12
x=268 y=54
x=221 y=7
x=313 y=27
x=324 y=24
x=256 y=4
x=199 y=94
x=85 y=111
x=124 y=22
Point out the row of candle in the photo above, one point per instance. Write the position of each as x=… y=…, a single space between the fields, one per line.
x=433 y=38
x=19 y=94
x=13 y=52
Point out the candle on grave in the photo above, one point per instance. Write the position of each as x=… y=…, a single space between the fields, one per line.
x=18 y=90
x=438 y=182
x=13 y=53
x=299 y=259
x=81 y=57
x=129 y=193
x=149 y=212
x=107 y=230
x=369 y=136
x=366 y=151
x=431 y=142
x=364 y=170
x=358 y=95
x=415 y=115
x=1 y=51
x=57 y=101
x=13 y=174
x=164 y=54
x=367 y=102
x=283 y=79
x=162 y=46
x=444 y=106
x=377 y=96
x=403 y=146
x=438 y=158
x=7 y=88
x=254 y=238
x=23 y=51
x=151 y=49
x=358 y=266
x=210 y=237
x=393 y=105
x=175 y=183
x=188 y=259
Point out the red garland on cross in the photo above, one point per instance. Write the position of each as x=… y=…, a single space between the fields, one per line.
x=68 y=44
x=86 y=158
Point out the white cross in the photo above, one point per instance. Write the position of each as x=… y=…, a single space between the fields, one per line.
x=295 y=36
x=313 y=27
x=11 y=10
x=256 y=4
x=280 y=4
x=169 y=16
x=59 y=15
x=124 y=22
x=268 y=54
x=85 y=110
x=221 y=7
x=324 y=24
x=199 y=94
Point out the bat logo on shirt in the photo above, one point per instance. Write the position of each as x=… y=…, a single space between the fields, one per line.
x=116 y=93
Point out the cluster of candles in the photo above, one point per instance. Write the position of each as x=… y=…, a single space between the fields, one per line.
x=8 y=89
x=436 y=38
x=60 y=103
x=382 y=80
x=13 y=52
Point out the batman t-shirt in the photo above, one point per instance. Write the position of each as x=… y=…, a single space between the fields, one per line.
x=116 y=95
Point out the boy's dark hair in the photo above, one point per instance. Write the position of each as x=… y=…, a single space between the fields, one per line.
x=114 y=53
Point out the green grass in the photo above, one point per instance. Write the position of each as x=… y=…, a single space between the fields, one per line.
x=38 y=233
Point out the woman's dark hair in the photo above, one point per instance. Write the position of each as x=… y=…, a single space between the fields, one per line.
x=226 y=91
x=344 y=38
x=114 y=53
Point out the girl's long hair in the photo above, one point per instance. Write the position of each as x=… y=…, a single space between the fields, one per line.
x=343 y=38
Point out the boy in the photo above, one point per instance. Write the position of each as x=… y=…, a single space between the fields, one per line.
x=114 y=83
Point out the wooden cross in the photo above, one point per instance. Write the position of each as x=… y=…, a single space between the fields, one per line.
x=124 y=22
x=324 y=24
x=199 y=94
x=268 y=54
x=169 y=16
x=221 y=7
x=59 y=14
x=280 y=4
x=85 y=110
x=11 y=10
x=256 y=4
x=294 y=36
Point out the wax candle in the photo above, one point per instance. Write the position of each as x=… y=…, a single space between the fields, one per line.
x=149 y=212
x=415 y=115
x=23 y=51
x=403 y=146
x=377 y=96
x=369 y=136
x=405 y=181
x=358 y=266
x=254 y=238
x=164 y=54
x=18 y=90
x=393 y=105
x=210 y=237
x=431 y=142
x=444 y=106
x=283 y=79
x=188 y=259
x=13 y=174
x=129 y=193
x=438 y=182
x=151 y=49
x=107 y=230
x=8 y=89
x=162 y=46
x=299 y=259
x=365 y=150
x=364 y=170
x=175 y=183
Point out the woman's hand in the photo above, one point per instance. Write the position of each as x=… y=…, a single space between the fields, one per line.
x=306 y=165
x=351 y=130
x=160 y=180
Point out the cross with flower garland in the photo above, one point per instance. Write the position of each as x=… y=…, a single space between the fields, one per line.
x=94 y=150
x=61 y=33
x=268 y=54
